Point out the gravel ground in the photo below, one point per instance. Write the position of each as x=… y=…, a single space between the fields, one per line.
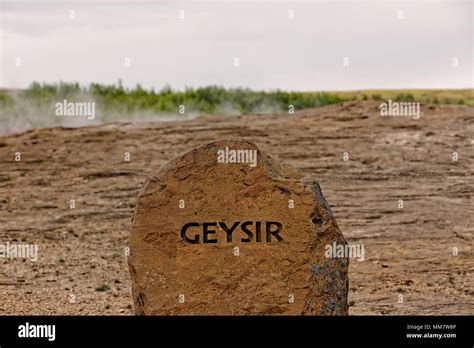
x=82 y=266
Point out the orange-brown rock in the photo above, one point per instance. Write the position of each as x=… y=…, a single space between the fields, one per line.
x=220 y=232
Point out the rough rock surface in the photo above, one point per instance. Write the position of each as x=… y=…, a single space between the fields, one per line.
x=273 y=271
x=408 y=251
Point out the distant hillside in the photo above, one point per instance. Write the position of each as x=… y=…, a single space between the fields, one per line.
x=425 y=96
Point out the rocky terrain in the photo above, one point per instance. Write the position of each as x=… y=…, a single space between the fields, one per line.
x=73 y=194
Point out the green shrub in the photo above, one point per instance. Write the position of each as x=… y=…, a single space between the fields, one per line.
x=207 y=100
x=405 y=97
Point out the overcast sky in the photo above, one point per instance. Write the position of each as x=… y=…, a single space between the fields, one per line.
x=274 y=51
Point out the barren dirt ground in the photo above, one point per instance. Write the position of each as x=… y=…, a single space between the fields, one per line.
x=408 y=251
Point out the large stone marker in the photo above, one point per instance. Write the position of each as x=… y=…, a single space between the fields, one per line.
x=227 y=230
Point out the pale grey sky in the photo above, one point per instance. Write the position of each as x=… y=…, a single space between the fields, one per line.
x=274 y=51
